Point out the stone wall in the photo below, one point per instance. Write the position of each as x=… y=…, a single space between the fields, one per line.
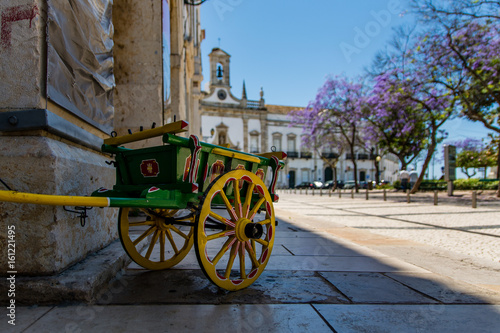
x=49 y=239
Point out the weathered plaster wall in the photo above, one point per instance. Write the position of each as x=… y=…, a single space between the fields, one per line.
x=21 y=53
x=138 y=66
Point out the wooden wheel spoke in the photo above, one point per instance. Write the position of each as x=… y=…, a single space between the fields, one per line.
x=162 y=246
x=152 y=244
x=136 y=224
x=220 y=235
x=152 y=233
x=264 y=222
x=259 y=203
x=229 y=207
x=222 y=219
x=187 y=219
x=243 y=274
x=232 y=256
x=252 y=255
x=144 y=235
x=240 y=260
x=262 y=242
x=180 y=233
x=237 y=197
x=172 y=242
x=223 y=250
x=248 y=200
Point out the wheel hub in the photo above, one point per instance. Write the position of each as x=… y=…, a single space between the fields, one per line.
x=254 y=230
x=246 y=230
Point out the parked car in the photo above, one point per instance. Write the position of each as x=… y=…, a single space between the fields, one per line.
x=329 y=184
x=317 y=184
x=349 y=184
x=310 y=185
x=303 y=185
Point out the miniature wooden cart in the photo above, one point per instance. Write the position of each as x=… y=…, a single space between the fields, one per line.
x=186 y=192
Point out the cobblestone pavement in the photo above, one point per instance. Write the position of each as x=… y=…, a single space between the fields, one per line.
x=452 y=224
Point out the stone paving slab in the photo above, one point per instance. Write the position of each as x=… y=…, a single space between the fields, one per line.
x=25 y=316
x=341 y=264
x=192 y=287
x=180 y=318
x=374 y=288
x=411 y=318
x=445 y=289
x=325 y=250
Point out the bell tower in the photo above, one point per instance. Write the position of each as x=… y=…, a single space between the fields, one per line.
x=219 y=69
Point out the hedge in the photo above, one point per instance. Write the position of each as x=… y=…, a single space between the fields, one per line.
x=475 y=184
x=459 y=184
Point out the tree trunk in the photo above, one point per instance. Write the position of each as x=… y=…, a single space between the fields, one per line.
x=355 y=168
x=498 y=168
x=430 y=152
x=334 y=187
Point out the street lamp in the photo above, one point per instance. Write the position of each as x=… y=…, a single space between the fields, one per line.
x=377 y=168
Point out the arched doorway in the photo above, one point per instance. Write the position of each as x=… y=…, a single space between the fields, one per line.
x=291 y=179
x=328 y=174
x=362 y=176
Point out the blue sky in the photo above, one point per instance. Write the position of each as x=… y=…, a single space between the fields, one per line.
x=289 y=47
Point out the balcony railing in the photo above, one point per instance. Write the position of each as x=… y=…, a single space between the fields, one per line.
x=362 y=156
x=330 y=155
x=253 y=104
x=292 y=154
x=306 y=154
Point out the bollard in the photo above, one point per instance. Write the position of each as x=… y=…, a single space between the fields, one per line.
x=329 y=193
x=352 y=194
x=340 y=193
x=313 y=191
x=307 y=191
x=366 y=194
x=474 y=199
x=435 y=198
x=320 y=192
x=300 y=191
x=408 y=197
x=295 y=191
x=385 y=195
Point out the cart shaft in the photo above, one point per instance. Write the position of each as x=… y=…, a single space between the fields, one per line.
x=63 y=200
x=54 y=200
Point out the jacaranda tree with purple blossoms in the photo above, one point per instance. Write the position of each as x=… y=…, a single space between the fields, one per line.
x=413 y=86
x=406 y=108
x=335 y=117
x=465 y=44
x=396 y=123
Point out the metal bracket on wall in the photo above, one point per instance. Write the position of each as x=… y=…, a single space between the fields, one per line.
x=82 y=213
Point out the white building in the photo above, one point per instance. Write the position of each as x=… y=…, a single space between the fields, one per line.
x=255 y=127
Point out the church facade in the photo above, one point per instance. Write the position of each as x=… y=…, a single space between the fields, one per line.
x=256 y=127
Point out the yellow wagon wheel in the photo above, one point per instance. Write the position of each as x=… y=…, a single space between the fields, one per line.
x=166 y=243
x=235 y=230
